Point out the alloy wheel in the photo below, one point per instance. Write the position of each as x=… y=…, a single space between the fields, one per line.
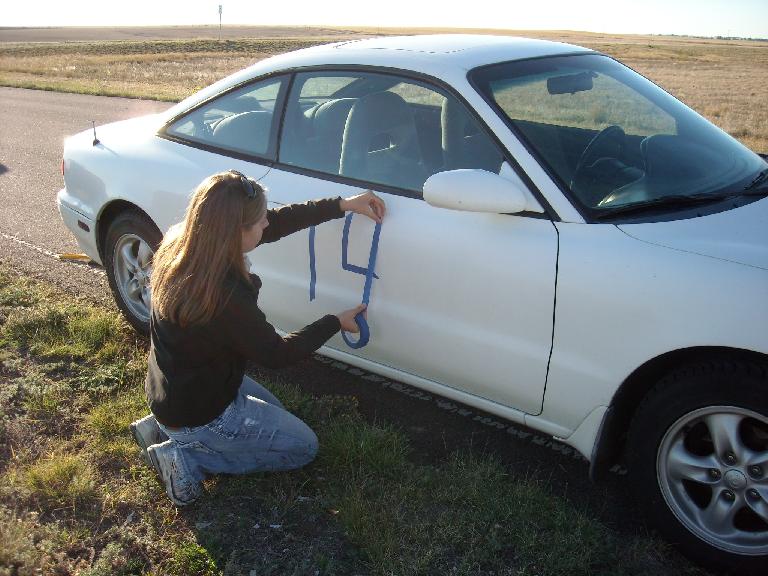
x=132 y=259
x=712 y=469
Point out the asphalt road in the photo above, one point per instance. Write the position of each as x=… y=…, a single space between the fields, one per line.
x=34 y=125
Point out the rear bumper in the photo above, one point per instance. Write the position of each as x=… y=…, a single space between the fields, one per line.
x=82 y=227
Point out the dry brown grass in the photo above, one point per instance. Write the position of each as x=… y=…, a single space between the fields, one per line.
x=721 y=79
x=168 y=76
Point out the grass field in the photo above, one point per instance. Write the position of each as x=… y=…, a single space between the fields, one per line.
x=722 y=80
x=76 y=498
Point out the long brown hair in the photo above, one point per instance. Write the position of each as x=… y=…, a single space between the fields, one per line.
x=195 y=255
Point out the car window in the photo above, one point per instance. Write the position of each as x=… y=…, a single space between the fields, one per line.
x=241 y=121
x=381 y=129
x=611 y=137
x=607 y=103
x=324 y=87
x=560 y=120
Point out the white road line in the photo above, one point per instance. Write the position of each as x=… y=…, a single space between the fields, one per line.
x=53 y=255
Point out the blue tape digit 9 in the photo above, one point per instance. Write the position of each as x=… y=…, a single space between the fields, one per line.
x=360 y=320
x=365 y=333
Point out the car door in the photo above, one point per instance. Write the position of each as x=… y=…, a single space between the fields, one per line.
x=461 y=299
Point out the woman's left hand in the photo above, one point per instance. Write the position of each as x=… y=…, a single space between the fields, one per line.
x=367 y=204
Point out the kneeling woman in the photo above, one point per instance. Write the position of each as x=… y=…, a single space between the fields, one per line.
x=207 y=416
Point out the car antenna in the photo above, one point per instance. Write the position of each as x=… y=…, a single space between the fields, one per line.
x=95 y=140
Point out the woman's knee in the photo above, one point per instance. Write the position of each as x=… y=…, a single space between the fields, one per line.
x=302 y=443
x=314 y=444
x=306 y=437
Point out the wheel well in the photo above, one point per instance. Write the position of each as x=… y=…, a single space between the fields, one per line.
x=107 y=216
x=612 y=436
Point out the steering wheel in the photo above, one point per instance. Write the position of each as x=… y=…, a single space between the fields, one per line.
x=608 y=143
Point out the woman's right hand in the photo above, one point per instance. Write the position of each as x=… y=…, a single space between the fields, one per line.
x=347 y=318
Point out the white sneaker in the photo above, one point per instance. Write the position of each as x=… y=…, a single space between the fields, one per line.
x=146 y=432
x=166 y=458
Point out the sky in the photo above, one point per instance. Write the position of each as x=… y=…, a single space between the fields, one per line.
x=743 y=18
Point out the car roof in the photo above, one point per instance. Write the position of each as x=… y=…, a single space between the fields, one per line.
x=431 y=51
x=431 y=54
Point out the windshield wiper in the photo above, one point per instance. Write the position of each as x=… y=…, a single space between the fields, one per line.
x=675 y=201
x=754 y=188
x=757 y=180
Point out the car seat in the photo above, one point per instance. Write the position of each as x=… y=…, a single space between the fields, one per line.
x=245 y=132
x=380 y=142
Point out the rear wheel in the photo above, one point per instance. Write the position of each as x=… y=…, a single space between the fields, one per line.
x=698 y=456
x=131 y=242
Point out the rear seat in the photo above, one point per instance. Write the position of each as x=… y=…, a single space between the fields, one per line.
x=245 y=132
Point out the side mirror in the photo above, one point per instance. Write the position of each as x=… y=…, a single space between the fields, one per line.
x=474 y=190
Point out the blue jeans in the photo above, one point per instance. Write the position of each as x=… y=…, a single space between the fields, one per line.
x=254 y=433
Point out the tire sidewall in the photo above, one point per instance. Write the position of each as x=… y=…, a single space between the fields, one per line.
x=680 y=393
x=130 y=222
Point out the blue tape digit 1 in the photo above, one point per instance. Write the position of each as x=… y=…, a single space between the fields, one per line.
x=312 y=269
x=360 y=320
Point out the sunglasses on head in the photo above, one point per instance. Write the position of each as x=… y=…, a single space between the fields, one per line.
x=248 y=188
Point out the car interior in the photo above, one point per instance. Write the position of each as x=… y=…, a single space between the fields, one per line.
x=380 y=137
x=244 y=131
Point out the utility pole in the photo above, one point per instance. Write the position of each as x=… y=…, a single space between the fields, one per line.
x=220 y=8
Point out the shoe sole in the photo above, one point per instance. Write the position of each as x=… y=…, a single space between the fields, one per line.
x=166 y=481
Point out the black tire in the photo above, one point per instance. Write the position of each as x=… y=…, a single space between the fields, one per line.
x=131 y=241
x=693 y=448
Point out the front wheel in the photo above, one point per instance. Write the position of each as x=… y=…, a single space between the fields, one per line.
x=131 y=242
x=698 y=456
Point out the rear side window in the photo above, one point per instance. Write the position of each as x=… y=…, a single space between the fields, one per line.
x=381 y=128
x=241 y=121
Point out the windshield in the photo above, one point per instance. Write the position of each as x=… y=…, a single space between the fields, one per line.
x=613 y=138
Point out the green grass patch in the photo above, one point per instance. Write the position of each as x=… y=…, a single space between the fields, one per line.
x=191 y=559
x=79 y=346
x=467 y=516
x=62 y=480
x=357 y=450
x=16 y=292
x=115 y=560
x=75 y=496
x=106 y=426
x=43 y=399
x=68 y=331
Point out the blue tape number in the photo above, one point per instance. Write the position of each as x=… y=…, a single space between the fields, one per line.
x=368 y=272
x=312 y=270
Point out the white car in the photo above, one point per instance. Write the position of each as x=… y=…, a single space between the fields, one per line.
x=567 y=246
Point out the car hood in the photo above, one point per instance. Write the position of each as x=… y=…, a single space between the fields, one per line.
x=738 y=235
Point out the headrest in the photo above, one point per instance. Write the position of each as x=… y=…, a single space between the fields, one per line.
x=248 y=131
